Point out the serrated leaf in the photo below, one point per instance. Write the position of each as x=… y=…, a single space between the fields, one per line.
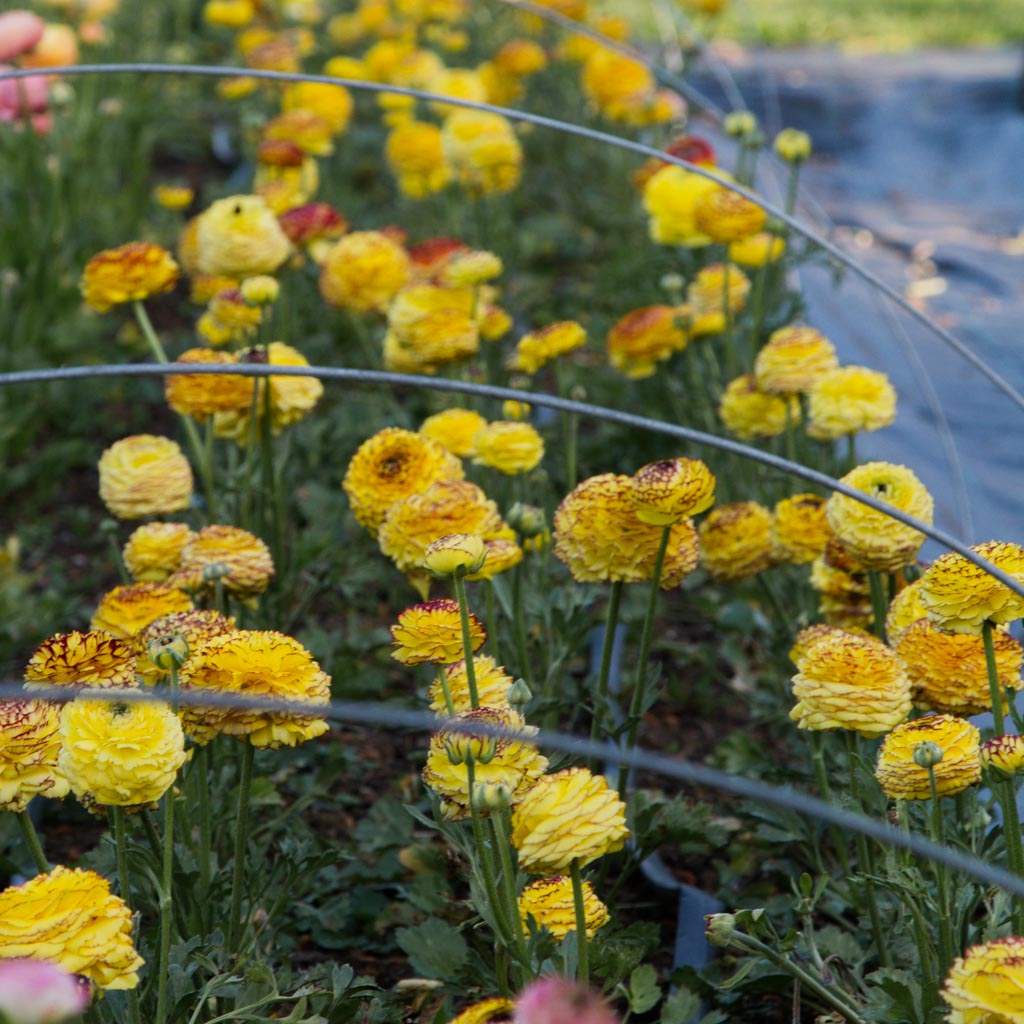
x=681 y=1006
x=643 y=991
x=435 y=949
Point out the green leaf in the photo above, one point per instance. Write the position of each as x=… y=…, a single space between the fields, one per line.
x=681 y=1006
x=902 y=993
x=435 y=949
x=644 y=991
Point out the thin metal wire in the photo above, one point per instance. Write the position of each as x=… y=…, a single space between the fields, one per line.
x=580 y=131
x=567 y=405
x=373 y=713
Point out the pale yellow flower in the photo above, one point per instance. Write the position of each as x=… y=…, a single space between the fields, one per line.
x=902 y=778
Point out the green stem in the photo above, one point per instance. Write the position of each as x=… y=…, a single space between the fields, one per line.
x=825 y=789
x=607 y=646
x=241 y=835
x=205 y=818
x=879 y=603
x=459 y=585
x=731 y=362
x=946 y=950
x=508 y=875
x=442 y=678
x=486 y=853
x=791 y=187
x=198 y=451
x=492 y=621
x=270 y=483
x=995 y=688
x=640 y=687
x=865 y=859
x=250 y=455
x=520 y=624
x=121 y=853
x=35 y=847
x=166 y=896
x=583 y=960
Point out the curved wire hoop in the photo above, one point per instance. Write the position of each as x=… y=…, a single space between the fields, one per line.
x=374 y=713
x=566 y=405
x=211 y=71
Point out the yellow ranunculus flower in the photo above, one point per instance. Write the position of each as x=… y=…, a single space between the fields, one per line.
x=363 y=272
x=846 y=681
x=123 y=754
x=29 y=746
x=455 y=429
x=202 y=395
x=390 y=466
x=849 y=399
x=984 y=985
x=645 y=337
x=665 y=492
x=736 y=541
x=550 y=903
x=71 y=919
x=246 y=559
x=509 y=446
x=568 y=816
x=599 y=537
x=539 y=347
x=800 y=530
x=725 y=216
x=492 y=685
x=144 y=475
x=873 y=538
x=454 y=554
x=432 y=632
x=749 y=412
x=129 y=273
x=81 y=659
x=512 y=763
x=793 y=359
x=153 y=551
x=960 y=596
x=902 y=778
x=238 y=237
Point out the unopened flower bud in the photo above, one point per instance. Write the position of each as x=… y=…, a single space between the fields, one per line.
x=527 y=519
x=519 y=694
x=719 y=928
x=167 y=652
x=491 y=796
x=740 y=123
x=260 y=290
x=927 y=754
x=214 y=571
x=793 y=145
x=455 y=554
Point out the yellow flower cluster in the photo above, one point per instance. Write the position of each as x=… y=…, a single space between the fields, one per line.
x=415 y=153
x=599 y=537
x=95 y=659
x=846 y=681
x=129 y=273
x=725 y=216
x=120 y=753
x=144 y=475
x=29 y=745
x=483 y=151
x=736 y=541
x=960 y=596
x=948 y=671
x=258 y=664
x=671 y=196
x=455 y=429
x=432 y=632
x=549 y=903
x=540 y=347
x=624 y=90
x=873 y=538
x=904 y=610
x=430 y=326
x=568 y=816
x=71 y=919
x=902 y=778
x=984 y=986
x=496 y=761
x=844 y=594
x=643 y=338
x=392 y=465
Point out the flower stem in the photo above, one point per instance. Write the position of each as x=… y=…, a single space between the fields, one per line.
x=35 y=847
x=520 y=624
x=121 y=854
x=459 y=585
x=731 y=362
x=825 y=789
x=492 y=621
x=241 y=830
x=610 y=624
x=198 y=451
x=205 y=818
x=946 y=951
x=879 y=603
x=166 y=904
x=442 y=679
x=508 y=874
x=583 y=959
x=792 y=186
x=636 y=706
x=995 y=688
x=486 y=864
